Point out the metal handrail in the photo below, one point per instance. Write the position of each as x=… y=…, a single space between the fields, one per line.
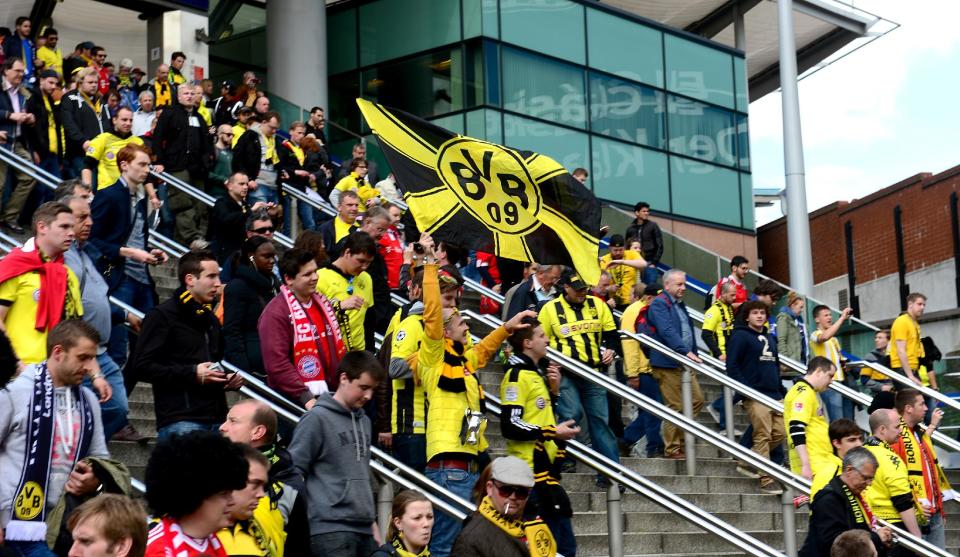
x=784 y=476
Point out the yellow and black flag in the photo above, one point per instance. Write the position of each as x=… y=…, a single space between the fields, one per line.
x=483 y=196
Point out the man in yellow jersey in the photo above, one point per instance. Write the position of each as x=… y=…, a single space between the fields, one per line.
x=625 y=267
x=254 y=529
x=582 y=327
x=715 y=332
x=344 y=223
x=915 y=449
x=890 y=496
x=824 y=343
x=636 y=366
x=529 y=391
x=804 y=419
x=841 y=507
x=49 y=53
x=356 y=181
x=456 y=425
x=102 y=152
x=844 y=435
x=905 y=346
x=408 y=421
x=347 y=285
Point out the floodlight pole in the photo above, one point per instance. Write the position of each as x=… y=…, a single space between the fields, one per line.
x=798 y=225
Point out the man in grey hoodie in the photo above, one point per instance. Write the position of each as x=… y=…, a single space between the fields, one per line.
x=331 y=448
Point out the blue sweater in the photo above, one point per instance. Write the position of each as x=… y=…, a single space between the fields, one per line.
x=752 y=360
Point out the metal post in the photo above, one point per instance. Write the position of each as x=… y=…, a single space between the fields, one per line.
x=689 y=441
x=614 y=520
x=384 y=504
x=789 y=522
x=798 y=225
x=728 y=411
x=294 y=218
x=739 y=31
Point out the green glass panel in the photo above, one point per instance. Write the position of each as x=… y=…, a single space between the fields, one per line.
x=746 y=203
x=344 y=90
x=543 y=88
x=494 y=126
x=472 y=18
x=702 y=131
x=704 y=191
x=567 y=147
x=740 y=78
x=453 y=122
x=698 y=71
x=394 y=28
x=607 y=36
x=743 y=142
x=342 y=41
x=554 y=27
x=627 y=111
x=491 y=19
x=626 y=174
x=476 y=124
x=424 y=86
x=288 y=111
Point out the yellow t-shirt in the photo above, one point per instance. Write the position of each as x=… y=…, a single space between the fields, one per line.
x=22 y=295
x=889 y=481
x=341 y=229
x=364 y=190
x=906 y=329
x=829 y=349
x=52 y=59
x=104 y=148
x=803 y=405
x=624 y=276
x=335 y=287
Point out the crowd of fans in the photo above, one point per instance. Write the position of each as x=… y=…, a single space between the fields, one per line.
x=236 y=480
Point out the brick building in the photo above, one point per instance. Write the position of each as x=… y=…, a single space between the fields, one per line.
x=869 y=253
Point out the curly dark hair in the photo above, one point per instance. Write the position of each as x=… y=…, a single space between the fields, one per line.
x=185 y=470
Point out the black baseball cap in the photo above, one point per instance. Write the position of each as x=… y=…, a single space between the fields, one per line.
x=571 y=278
x=617 y=241
x=230 y=86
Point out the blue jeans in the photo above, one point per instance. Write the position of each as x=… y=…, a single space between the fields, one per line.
x=180 y=428
x=30 y=549
x=137 y=295
x=304 y=213
x=410 y=449
x=937 y=535
x=262 y=193
x=581 y=399
x=445 y=527
x=343 y=544
x=114 y=411
x=650 y=276
x=646 y=424
x=837 y=406
x=718 y=406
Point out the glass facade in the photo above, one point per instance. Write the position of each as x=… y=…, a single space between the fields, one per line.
x=653 y=113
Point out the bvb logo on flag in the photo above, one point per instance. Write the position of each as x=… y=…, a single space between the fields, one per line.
x=466 y=167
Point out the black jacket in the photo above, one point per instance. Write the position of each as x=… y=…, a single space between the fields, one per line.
x=523 y=299
x=175 y=337
x=651 y=241
x=247 y=154
x=482 y=538
x=831 y=515
x=6 y=109
x=227 y=227
x=112 y=224
x=81 y=122
x=39 y=139
x=290 y=164
x=243 y=301
x=752 y=359
x=180 y=146
x=286 y=484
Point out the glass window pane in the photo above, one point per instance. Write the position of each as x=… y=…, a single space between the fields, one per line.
x=554 y=27
x=740 y=77
x=472 y=18
x=342 y=41
x=701 y=131
x=474 y=76
x=453 y=122
x=626 y=174
x=743 y=142
x=607 y=36
x=394 y=28
x=343 y=110
x=698 y=71
x=491 y=19
x=746 y=203
x=567 y=147
x=424 y=86
x=704 y=191
x=484 y=124
x=627 y=111
x=543 y=88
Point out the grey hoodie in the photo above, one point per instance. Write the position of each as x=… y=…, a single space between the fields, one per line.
x=331 y=448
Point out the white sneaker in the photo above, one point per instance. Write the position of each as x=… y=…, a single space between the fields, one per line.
x=713 y=414
x=744 y=471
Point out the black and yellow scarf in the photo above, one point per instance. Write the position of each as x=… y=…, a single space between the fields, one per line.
x=533 y=533
x=398 y=546
x=456 y=368
x=861 y=511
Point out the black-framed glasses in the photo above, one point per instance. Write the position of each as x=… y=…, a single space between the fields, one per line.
x=505 y=490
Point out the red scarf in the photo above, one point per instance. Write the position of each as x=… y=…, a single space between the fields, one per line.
x=310 y=338
x=53 y=283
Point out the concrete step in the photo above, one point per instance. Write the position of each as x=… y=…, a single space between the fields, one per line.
x=596 y=522
x=688 y=542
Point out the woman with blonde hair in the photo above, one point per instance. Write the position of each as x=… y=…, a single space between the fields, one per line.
x=411 y=524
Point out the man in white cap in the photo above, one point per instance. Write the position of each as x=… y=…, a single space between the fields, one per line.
x=497 y=528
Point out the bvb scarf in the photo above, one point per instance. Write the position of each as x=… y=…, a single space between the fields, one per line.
x=923 y=470
x=307 y=344
x=29 y=507
x=397 y=544
x=861 y=510
x=534 y=533
x=456 y=369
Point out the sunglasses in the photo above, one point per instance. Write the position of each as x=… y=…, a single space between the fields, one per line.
x=264 y=230
x=509 y=490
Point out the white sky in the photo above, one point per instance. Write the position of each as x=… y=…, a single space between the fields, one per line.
x=882 y=114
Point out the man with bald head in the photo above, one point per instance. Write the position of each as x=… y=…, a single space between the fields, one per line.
x=254 y=423
x=162 y=90
x=890 y=496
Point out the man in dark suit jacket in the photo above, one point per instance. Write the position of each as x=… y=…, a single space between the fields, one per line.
x=15 y=126
x=121 y=235
x=535 y=291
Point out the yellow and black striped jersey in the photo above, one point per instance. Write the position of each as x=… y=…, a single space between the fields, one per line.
x=577 y=331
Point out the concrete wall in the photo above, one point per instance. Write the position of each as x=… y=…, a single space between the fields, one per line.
x=78 y=21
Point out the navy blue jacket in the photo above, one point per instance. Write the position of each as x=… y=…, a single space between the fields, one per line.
x=663 y=317
x=752 y=359
x=112 y=224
